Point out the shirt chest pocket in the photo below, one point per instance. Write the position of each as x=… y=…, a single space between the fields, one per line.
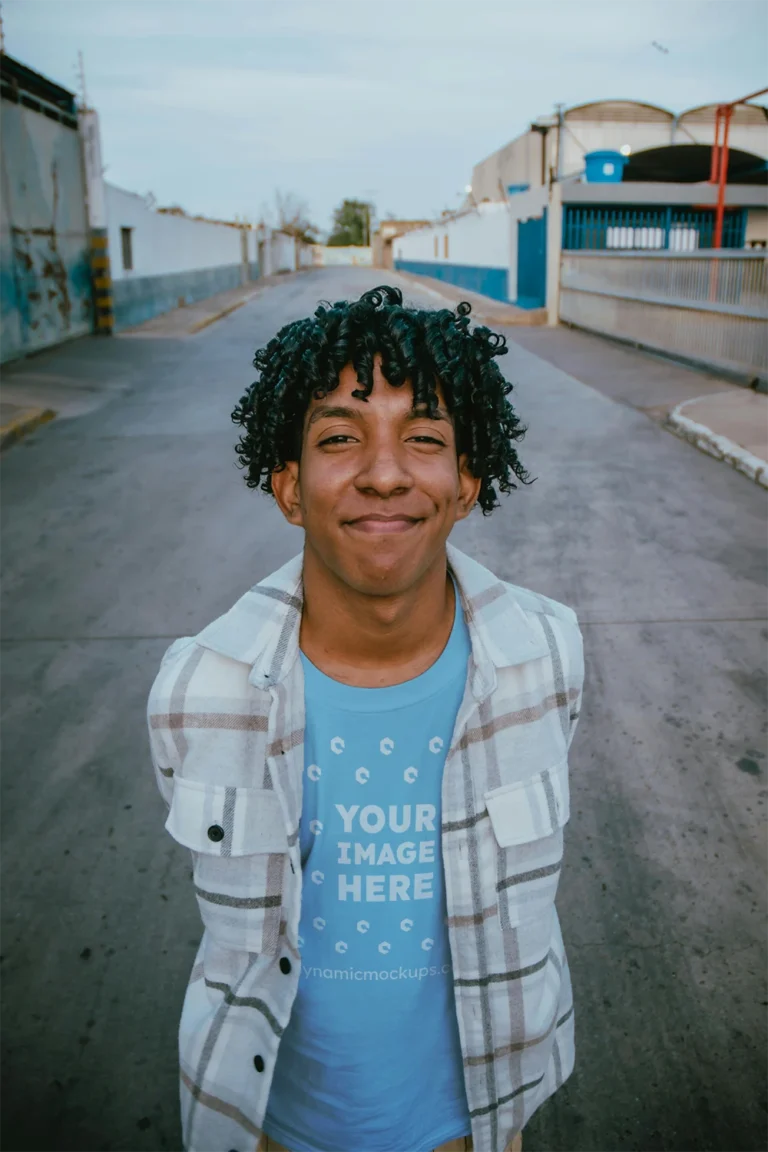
x=240 y=852
x=527 y=820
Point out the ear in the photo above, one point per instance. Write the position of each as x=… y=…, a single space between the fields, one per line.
x=285 y=485
x=469 y=489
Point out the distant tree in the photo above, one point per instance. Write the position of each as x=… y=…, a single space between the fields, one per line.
x=352 y=224
x=292 y=217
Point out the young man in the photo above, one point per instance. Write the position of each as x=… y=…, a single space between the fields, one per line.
x=367 y=756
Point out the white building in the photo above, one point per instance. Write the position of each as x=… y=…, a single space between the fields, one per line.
x=554 y=147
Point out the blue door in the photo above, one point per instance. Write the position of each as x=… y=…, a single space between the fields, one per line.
x=532 y=262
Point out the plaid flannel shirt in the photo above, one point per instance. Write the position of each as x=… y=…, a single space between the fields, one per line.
x=226 y=724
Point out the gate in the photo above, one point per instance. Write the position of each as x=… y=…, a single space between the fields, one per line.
x=45 y=278
x=532 y=262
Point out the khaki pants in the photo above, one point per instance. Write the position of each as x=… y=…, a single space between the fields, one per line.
x=463 y=1144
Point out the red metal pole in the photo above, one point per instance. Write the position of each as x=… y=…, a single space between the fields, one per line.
x=715 y=165
x=751 y=96
x=717 y=241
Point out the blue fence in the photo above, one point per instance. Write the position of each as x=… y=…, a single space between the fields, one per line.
x=677 y=229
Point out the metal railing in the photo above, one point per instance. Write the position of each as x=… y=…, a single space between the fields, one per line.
x=672 y=227
x=708 y=307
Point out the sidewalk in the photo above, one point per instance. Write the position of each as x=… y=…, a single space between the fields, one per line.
x=193 y=318
x=731 y=425
x=483 y=307
x=724 y=419
x=34 y=389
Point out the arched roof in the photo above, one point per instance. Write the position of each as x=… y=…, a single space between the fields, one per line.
x=619 y=111
x=742 y=114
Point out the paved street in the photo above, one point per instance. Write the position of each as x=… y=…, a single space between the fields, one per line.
x=128 y=524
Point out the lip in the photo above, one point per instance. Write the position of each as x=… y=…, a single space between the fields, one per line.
x=385 y=525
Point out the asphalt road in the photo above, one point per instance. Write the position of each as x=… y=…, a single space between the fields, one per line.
x=129 y=525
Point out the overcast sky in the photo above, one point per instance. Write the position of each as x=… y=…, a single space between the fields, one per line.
x=212 y=104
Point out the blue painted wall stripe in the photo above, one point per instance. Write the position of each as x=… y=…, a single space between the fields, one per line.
x=493 y=282
x=140 y=298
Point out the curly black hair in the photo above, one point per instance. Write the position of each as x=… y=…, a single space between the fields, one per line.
x=417 y=347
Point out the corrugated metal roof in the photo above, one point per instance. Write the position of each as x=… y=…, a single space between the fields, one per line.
x=619 y=111
x=742 y=114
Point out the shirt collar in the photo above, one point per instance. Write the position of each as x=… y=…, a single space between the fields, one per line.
x=262 y=627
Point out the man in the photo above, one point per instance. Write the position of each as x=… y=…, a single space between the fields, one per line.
x=367 y=756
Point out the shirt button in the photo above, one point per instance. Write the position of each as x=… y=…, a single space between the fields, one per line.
x=215 y=833
x=285 y=965
x=258 y=1063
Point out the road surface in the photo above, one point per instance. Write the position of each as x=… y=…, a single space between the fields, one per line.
x=128 y=525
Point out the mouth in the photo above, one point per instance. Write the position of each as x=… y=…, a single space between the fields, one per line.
x=383 y=525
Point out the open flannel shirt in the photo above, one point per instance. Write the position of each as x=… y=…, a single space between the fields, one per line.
x=226 y=724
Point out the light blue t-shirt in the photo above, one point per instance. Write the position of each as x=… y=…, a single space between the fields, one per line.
x=371 y=1059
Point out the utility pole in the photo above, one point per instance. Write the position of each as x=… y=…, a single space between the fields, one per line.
x=560 y=112
x=81 y=78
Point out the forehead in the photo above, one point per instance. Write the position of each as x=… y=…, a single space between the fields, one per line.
x=384 y=395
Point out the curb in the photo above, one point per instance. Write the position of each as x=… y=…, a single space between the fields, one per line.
x=200 y=324
x=23 y=424
x=718 y=446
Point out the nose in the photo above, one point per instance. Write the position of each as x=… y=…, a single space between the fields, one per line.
x=384 y=470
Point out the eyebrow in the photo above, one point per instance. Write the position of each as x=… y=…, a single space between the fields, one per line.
x=327 y=411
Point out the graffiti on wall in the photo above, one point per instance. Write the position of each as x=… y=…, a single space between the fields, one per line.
x=45 y=280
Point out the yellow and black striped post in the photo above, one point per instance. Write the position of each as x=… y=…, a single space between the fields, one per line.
x=102 y=282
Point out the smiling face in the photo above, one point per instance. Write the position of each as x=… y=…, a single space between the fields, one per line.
x=379 y=486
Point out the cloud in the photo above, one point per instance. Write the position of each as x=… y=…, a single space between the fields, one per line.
x=213 y=103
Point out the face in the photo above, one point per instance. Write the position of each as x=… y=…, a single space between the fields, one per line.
x=379 y=486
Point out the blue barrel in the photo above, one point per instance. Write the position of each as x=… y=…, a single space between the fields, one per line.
x=605 y=167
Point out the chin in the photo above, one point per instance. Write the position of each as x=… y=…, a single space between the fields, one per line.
x=381 y=575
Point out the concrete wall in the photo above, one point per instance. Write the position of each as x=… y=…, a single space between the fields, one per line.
x=45 y=278
x=584 y=136
x=280 y=253
x=470 y=250
x=699 y=306
x=175 y=259
x=518 y=162
x=757 y=227
x=383 y=240
x=736 y=195
x=162 y=243
x=357 y=256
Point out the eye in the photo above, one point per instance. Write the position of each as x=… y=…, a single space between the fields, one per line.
x=429 y=440
x=333 y=439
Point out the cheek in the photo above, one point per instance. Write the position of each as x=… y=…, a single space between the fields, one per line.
x=441 y=481
x=322 y=480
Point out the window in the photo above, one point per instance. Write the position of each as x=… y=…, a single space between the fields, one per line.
x=437 y=250
x=127 y=247
x=445 y=245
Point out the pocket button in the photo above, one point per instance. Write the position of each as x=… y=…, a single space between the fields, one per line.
x=215 y=833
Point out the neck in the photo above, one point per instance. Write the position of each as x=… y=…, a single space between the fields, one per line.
x=374 y=641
